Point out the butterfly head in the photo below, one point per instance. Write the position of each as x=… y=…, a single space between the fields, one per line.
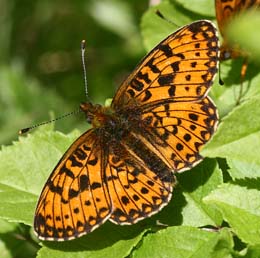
x=225 y=54
x=233 y=51
x=96 y=115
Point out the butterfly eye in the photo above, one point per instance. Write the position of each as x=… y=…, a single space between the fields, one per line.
x=225 y=55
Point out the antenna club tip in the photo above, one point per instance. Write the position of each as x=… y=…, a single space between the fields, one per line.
x=221 y=82
x=23 y=131
x=157 y=12
x=83 y=44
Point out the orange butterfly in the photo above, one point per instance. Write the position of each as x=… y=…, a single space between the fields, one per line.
x=122 y=168
x=226 y=10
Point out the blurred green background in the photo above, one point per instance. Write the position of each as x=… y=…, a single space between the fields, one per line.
x=40 y=59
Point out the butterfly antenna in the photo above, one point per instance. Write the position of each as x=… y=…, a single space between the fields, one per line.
x=26 y=130
x=83 y=48
x=166 y=19
x=220 y=81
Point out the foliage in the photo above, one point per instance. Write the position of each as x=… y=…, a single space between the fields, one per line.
x=215 y=209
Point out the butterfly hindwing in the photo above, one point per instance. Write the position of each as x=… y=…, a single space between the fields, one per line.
x=139 y=183
x=75 y=199
x=178 y=130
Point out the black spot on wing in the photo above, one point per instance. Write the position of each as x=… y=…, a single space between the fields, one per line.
x=165 y=79
x=166 y=50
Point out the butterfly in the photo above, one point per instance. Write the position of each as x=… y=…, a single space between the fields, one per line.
x=226 y=10
x=122 y=169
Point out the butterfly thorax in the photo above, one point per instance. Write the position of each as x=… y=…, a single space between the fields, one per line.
x=111 y=123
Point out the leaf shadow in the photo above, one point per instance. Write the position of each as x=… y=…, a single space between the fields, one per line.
x=198 y=176
x=249 y=183
x=234 y=74
x=19 y=243
x=105 y=236
x=187 y=182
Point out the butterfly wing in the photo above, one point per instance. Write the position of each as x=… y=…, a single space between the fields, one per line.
x=123 y=182
x=178 y=130
x=75 y=199
x=139 y=182
x=180 y=68
x=224 y=11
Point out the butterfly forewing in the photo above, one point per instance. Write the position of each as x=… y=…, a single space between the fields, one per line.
x=180 y=68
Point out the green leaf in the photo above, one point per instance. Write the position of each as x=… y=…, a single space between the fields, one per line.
x=237 y=139
x=24 y=169
x=225 y=96
x=196 y=184
x=16 y=205
x=13 y=242
x=182 y=242
x=203 y=7
x=253 y=252
x=122 y=20
x=107 y=241
x=240 y=208
x=155 y=29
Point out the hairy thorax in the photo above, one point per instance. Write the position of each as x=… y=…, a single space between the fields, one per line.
x=111 y=124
